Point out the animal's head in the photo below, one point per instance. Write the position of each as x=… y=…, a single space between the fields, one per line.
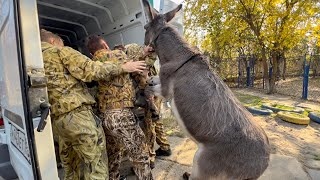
x=156 y=21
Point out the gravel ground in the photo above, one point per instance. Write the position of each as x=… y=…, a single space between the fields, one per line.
x=293 y=87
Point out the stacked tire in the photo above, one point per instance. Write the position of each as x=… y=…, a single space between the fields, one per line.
x=275 y=109
x=259 y=111
x=292 y=117
x=315 y=116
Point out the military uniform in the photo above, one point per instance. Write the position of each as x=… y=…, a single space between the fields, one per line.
x=80 y=135
x=116 y=98
x=153 y=130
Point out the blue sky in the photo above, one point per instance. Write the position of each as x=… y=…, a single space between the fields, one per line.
x=157 y=3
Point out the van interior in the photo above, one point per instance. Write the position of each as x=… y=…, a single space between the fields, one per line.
x=118 y=21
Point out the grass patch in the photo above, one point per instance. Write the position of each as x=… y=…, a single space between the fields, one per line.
x=250 y=100
x=297 y=115
x=283 y=107
x=171 y=127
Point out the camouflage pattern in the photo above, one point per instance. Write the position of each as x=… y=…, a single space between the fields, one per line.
x=144 y=98
x=66 y=70
x=161 y=137
x=148 y=128
x=135 y=52
x=153 y=130
x=124 y=133
x=93 y=90
x=81 y=144
x=117 y=92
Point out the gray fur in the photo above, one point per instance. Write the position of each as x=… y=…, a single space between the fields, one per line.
x=230 y=144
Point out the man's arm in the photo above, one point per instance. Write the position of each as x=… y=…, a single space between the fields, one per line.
x=82 y=68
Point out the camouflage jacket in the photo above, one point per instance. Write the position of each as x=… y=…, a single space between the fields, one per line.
x=116 y=93
x=67 y=70
x=135 y=52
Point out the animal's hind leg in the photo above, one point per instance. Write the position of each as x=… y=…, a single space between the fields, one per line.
x=196 y=172
x=186 y=176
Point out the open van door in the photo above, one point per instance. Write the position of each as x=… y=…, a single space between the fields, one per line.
x=23 y=93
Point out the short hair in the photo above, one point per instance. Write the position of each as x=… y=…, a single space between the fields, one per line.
x=120 y=47
x=46 y=36
x=95 y=43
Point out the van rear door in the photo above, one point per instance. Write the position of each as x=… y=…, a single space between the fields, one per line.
x=23 y=93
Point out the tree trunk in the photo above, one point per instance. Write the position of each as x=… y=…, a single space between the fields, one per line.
x=284 y=68
x=273 y=78
x=265 y=67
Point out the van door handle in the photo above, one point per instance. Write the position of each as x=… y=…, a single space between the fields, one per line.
x=45 y=108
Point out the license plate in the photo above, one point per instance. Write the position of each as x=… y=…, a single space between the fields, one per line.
x=18 y=139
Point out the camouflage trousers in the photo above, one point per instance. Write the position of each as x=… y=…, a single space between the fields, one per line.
x=81 y=145
x=154 y=132
x=123 y=133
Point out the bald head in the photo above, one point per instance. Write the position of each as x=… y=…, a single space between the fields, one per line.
x=49 y=37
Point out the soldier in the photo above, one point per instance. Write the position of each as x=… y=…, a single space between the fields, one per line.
x=78 y=131
x=153 y=128
x=119 y=47
x=115 y=98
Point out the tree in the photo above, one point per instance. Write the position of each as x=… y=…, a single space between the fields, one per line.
x=269 y=28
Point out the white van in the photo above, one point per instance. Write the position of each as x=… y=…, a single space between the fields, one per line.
x=26 y=142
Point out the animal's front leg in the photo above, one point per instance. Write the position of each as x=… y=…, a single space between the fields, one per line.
x=157 y=90
x=154 y=85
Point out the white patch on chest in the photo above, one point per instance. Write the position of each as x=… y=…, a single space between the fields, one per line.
x=195 y=166
x=157 y=90
x=180 y=121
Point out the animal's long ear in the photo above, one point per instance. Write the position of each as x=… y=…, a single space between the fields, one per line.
x=170 y=15
x=150 y=13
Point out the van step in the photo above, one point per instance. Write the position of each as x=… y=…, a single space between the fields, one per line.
x=6 y=169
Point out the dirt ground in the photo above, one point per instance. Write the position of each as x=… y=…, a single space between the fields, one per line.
x=293 y=87
x=299 y=141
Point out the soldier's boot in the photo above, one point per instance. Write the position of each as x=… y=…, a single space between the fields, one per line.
x=162 y=140
x=161 y=152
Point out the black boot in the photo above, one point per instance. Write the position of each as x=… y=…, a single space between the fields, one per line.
x=160 y=152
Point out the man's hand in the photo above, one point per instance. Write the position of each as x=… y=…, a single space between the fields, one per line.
x=134 y=66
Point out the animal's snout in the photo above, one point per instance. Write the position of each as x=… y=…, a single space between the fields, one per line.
x=154 y=80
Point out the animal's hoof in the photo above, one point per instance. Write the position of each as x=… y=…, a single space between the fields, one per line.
x=186 y=176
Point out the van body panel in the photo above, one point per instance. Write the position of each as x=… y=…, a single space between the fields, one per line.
x=12 y=98
x=31 y=152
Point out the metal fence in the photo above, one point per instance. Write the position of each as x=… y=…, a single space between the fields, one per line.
x=297 y=76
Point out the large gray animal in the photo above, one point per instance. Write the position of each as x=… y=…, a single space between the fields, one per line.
x=230 y=144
